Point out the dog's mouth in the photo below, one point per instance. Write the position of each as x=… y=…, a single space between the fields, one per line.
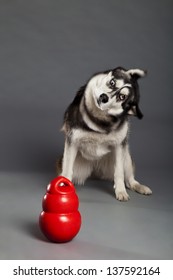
x=104 y=98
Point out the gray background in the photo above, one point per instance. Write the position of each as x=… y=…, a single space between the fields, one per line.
x=48 y=49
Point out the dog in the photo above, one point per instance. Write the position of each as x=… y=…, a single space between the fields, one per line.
x=96 y=127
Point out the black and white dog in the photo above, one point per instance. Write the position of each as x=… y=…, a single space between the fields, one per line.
x=96 y=131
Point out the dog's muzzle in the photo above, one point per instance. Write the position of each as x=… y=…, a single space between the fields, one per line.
x=103 y=98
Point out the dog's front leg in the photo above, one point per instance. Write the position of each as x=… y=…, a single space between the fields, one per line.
x=120 y=190
x=70 y=152
x=130 y=181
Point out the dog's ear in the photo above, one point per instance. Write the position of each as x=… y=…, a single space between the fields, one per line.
x=135 y=111
x=136 y=73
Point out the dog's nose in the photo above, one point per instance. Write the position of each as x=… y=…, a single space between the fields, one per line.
x=103 y=98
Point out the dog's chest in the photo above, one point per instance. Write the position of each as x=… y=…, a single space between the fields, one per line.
x=93 y=145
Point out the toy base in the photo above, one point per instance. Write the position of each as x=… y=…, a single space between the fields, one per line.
x=60 y=228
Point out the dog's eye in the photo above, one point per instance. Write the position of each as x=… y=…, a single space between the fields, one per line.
x=122 y=96
x=112 y=83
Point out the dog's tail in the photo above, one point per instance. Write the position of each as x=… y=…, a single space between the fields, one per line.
x=59 y=166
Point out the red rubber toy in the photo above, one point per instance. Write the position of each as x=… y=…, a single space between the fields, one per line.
x=60 y=220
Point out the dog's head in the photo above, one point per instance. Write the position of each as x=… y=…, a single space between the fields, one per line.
x=117 y=91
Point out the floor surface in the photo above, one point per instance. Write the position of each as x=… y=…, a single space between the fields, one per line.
x=141 y=228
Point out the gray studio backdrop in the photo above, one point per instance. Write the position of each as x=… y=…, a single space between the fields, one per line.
x=49 y=49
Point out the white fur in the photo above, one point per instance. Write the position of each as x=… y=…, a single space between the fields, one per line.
x=93 y=146
x=70 y=152
x=119 y=83
x=104 y=156
x=139 y=72
x=125 y=91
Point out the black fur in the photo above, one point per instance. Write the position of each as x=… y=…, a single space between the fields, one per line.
x=72 y=116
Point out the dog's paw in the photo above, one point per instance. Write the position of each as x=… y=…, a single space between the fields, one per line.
x=121 y=195
x=142 y=189
x=145 y=190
